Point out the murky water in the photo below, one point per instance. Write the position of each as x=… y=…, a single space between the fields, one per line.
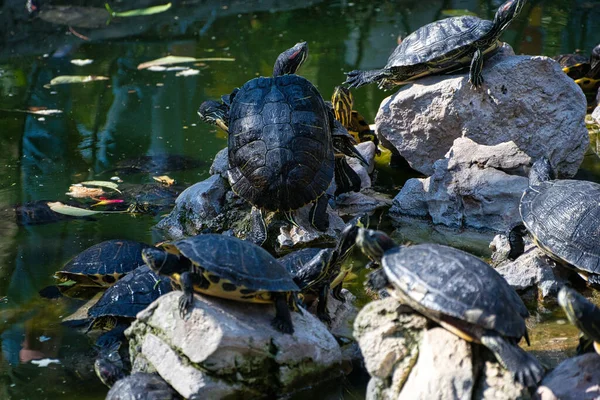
x=140 y=112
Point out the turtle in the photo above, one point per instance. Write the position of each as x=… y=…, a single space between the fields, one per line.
x=38 y=213
x=442 y=46
x=103 y=264
x=343 y=105
x=575 y=65
x=280 y=147
x=315 y=269
x=458 y=291
x=582 y=313
x=584 y=71
x=563 y=217
x=226 y=267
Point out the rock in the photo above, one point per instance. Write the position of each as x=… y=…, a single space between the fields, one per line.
x=596 y=112
x=475 y=186
x=361 y=170
x=142 y=386
x=422 y=120
x=197 y=208
x=368 y=150
x=228 y=348
x=357 y=203
x=532 y=270
x=576 y=378
x=220 y=164
x=496 y=383
x=444 y=369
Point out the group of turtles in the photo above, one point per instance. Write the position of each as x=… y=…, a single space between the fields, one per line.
x=285 y=146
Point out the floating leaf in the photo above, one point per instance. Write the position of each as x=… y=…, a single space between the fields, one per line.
x=105 y=184
x=458 y=13
x=169 y=60
x=164 y=179
x=188 y=72
x=35 y=111
x=81 y=63
x=68 y=79
x=138 y=12
x=82 y=192
x=61 y=208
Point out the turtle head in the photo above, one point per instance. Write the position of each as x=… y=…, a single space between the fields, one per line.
x=161 y=262
x=541 y=171
x=506 y=13
x=107 y=371
x=347 y=241
x=574 y=305
x=290 y=60
x=342 y=102
x=374 y=244
x=214 y=113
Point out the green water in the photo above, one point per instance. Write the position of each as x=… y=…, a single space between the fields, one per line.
x=139 y=112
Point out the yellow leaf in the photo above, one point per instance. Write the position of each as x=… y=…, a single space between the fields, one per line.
x=169 y=60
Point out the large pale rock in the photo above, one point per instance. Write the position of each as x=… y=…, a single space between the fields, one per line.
x=141 y=386
x=576 y=378
x=496 y=383
x=357 y=203
x=227 y=348
x=474 y=186
x=422 y=120
x=197 y=208
x=444 y=369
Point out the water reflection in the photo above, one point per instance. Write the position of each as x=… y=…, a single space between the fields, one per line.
x=143 y=113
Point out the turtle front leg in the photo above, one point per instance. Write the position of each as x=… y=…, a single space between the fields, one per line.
x=283 y=318
x=318 y=214
x=515 y=240
x=525 y=368
x=258 y=229
x=475 y=75
x=186 y=301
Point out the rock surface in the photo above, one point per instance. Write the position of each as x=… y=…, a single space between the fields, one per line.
x=142 y=386
x=422 y=120
x=532 y=271
x=576 y=378
x=474 y=186
x=227 y=348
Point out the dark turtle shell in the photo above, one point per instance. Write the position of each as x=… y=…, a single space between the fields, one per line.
x=294 y=261
x=564 y=218
x=440 y=42
x=451 y=282
x=104 y=263
x=131 y=294
x=280 y=149
x=238 y=261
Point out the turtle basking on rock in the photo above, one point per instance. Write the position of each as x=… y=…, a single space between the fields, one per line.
x=229 y=268
x=458 y=291
x=563 y=217
x=440 y=47
x=584 y=314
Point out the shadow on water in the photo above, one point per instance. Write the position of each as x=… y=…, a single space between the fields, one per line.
x=141 y=113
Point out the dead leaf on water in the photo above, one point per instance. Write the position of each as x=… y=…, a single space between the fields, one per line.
x=188 y=72
x=170 y=60
x=104 y=184
x=61 y=208
x=81 y=63
x=138 y=12
x=164 y=179
x=82 y=192
x=68 y=79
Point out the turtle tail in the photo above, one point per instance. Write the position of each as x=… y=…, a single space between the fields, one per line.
x=358 y=78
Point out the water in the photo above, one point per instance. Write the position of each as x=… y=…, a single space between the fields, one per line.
x=136 y=113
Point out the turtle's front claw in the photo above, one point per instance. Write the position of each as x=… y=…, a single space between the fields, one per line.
x=185 y=304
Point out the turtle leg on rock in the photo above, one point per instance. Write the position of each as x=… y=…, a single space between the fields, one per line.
x=475 y=75
x=526 y=369
x=322 y=312
x=359 y=78
x=115 y=335
x=318 y=214
x=258 y=228
x=283 y=317
x=515 y=239
x=187 y=281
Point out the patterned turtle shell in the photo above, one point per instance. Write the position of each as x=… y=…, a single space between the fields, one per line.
x=280 y=149
x=564 y=218
x=451 y=282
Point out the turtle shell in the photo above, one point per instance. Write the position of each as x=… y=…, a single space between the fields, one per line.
x=240 y=262
x=131 y=294
x=104 y=263
x=451 y=282
x=280 y=149
x=294 y=262
x=564 y=218
x=441 y=42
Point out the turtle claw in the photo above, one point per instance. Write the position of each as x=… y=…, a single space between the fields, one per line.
x=185 y=304
x=282 y=325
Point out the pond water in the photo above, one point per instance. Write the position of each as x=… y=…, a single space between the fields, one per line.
x=143 y=113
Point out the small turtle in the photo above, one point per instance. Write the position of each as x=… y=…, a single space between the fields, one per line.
x=343 y=105
x=103 y=264
x=442 y=46
x=38 y=213
x=575 y=65
x=314 y=270
x=585 y=72
x=563 y=217
x=458 y=291
x=226 y=267
x=582 y=313
x=150 y=198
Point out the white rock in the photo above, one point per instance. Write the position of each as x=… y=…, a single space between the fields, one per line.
x=228 y=348
x=423 y=119
x=576 y=378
